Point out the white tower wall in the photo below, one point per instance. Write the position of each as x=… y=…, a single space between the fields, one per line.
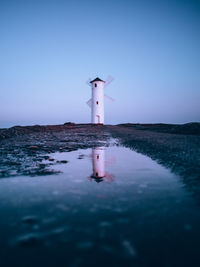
x=98 y=102
x=98 y=160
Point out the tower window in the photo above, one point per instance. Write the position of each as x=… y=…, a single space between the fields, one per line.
x=96 y=173
x=97 y=156
x=95 y=85
x=97 y=102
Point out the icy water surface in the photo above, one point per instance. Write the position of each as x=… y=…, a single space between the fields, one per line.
x=108 y=207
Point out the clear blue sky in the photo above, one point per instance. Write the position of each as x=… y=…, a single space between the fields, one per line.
x=48 y=50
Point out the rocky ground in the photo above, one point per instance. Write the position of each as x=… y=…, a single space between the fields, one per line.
x=176 y=147
x=23 y=149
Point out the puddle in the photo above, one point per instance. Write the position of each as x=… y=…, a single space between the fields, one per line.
x=102 y=164
x=108 y=201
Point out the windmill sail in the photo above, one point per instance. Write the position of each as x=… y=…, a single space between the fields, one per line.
x=109 y=98
x=108 y=80
x=89 y=102
x=88 y=82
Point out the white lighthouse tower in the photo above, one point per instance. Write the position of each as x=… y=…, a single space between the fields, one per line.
x=96 y=103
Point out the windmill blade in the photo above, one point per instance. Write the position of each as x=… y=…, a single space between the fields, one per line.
x=109 y=98
x=108 y=80
x=110 y=160
x=88 y=82
x=89 y=102
x=109 y=177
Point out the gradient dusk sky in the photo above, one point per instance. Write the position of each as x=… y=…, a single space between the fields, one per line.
x=49 y=49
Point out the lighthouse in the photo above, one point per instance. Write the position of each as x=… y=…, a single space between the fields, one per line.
x=96 y=103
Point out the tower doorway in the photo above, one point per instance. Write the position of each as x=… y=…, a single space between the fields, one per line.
x=98 y=118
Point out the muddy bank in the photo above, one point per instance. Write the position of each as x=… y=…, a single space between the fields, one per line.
x=22 y=130
x=192 y=128
x=178 y=152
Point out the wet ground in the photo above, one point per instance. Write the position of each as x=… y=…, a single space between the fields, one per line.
x=23 y=153
x=83 y=196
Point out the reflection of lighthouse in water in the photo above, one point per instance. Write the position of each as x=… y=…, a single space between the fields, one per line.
x=98 y=164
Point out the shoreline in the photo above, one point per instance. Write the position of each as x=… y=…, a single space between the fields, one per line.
x=23 y=148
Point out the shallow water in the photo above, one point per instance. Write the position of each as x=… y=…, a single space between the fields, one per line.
x=109 y=206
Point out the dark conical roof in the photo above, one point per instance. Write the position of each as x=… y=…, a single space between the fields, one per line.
x=97 y=80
